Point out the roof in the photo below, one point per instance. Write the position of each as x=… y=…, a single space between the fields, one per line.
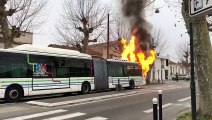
x=119 y=60
x=93 y=53
x=98 y=48
x=89 y=51
x=32 y=49
x=104 y=44
x=172 y=62
x=162 y=57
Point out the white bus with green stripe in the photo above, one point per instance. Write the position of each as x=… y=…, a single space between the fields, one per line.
x=29 y=70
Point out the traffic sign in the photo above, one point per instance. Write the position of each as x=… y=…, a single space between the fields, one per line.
x=200 y=8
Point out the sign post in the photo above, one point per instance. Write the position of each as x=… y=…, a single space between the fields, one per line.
x=192 y=83
x=199 y=8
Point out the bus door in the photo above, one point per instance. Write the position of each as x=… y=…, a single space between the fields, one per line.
x=61 y=80
x=58 y=71
x=100 y=74
x=123 y=77
x=41 y=74
x=41 y=82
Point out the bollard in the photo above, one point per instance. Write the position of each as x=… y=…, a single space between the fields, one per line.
x=119 y=87
x=155 y=111
x=160 y=104
x=118 y=82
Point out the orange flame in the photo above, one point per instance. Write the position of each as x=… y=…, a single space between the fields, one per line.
x=134 y=54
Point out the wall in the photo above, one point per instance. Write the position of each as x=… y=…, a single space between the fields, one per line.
x=26 y=38
x=158 y=71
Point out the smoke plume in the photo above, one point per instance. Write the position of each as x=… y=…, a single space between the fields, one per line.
x=134 y=11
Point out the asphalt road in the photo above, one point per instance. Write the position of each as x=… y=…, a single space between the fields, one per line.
x=111 y=105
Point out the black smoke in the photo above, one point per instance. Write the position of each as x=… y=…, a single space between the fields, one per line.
x=134 y=11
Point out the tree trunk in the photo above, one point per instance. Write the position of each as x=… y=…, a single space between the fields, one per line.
x=7 y=36
x=203 y=59
x=85 y=43
x=148 y=76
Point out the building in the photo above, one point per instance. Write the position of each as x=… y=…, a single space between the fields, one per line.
x=101 y=49
x=90 y=51
x=25 y=38
x=177 y=68
x=160 y=69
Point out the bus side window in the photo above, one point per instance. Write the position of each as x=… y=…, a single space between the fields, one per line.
x=130 y=70
x=137 y=71
x=124 y=71
x=13 y=68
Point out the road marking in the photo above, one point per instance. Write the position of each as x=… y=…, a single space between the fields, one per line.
x=184 y=99
x=37 y=115
x=164 y=106
x=97 y=118
x=39 y=103
x=186 y=105
x=66 y=116
x=5 y=110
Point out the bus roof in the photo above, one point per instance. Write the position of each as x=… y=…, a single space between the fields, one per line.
x=119 y=60
x=49 y=51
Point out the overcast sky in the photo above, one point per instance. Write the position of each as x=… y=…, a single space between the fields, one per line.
x=168 y=20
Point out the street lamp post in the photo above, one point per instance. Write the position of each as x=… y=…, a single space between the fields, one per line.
x=192 y=84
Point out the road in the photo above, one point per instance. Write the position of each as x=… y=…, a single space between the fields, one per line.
x=111 y=105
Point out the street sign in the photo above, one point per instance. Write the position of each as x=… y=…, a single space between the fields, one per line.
x=199 y=8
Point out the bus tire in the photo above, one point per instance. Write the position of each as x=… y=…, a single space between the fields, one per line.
x=86 y=88
x=14 y=93
x=131 y=84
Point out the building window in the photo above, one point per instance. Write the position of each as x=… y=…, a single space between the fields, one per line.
x=167 y=62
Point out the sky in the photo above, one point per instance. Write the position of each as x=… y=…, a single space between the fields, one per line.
x=167 y=20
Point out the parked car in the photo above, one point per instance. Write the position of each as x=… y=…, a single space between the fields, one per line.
x=182 y=77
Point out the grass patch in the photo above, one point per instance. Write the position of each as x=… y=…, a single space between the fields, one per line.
x=201 y=117
x=185 y=116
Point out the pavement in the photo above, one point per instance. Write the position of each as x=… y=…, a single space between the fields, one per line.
x=129 y=104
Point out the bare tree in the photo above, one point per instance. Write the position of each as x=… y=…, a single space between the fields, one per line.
x=183 y=53
x=203 y=56
x=158 y=41
x=119 y=27
x=83 y=22
x=17 y=16
x=119 y=30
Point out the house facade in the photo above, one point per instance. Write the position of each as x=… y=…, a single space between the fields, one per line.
x=177 y=68
x=160 y=69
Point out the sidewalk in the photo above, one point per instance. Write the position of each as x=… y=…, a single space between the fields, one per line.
x=165 y=83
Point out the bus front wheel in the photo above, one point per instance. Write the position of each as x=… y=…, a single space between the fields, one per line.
x=13 y=94
x=86 y=88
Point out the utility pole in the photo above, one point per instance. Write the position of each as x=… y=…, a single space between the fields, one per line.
x=192 y=84
x=108 y=36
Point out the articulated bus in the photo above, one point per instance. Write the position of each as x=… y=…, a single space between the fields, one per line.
x=29 y=70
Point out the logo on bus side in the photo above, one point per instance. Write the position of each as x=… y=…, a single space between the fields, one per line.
x=40 y=69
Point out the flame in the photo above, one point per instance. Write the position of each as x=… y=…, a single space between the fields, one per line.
x=133 y=53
